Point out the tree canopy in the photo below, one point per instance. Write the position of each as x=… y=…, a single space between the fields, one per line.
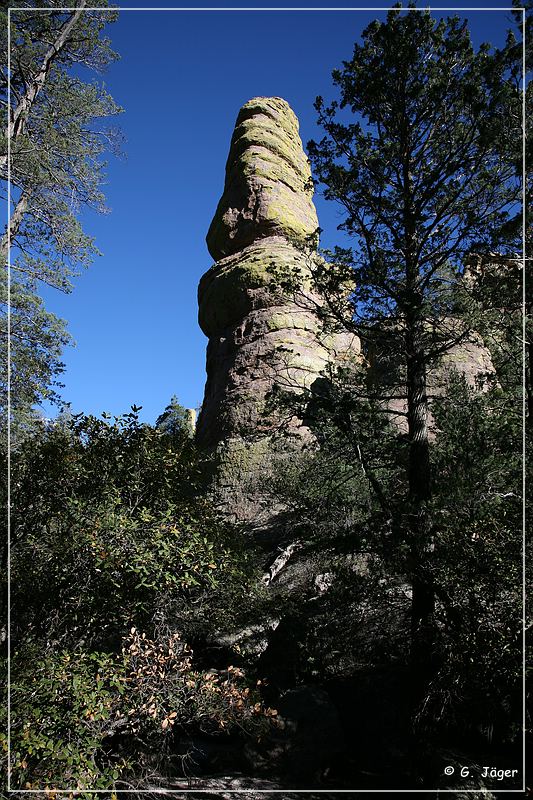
x=57 y=136
x=418 y=165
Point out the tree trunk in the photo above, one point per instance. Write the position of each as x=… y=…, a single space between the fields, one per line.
x=14 y=224
x=419 y=469
x=419 y=476
x=420 y=544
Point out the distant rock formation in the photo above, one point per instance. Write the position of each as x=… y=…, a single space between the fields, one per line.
x=260 y=333
x=468 y=357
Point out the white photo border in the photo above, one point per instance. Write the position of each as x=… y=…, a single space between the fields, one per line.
x=523 y=263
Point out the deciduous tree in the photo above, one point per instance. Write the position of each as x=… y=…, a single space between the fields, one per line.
x=56 y=142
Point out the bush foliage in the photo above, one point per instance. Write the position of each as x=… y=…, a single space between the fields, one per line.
x=115 y=549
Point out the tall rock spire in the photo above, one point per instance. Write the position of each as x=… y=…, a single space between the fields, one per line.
x=268 y=189
x=259 y=333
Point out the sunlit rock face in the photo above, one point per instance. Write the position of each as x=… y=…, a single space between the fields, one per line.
x=256 y=303
x=260 y=336
x=268 y=189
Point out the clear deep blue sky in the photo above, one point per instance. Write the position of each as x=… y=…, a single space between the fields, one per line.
x=181 y=79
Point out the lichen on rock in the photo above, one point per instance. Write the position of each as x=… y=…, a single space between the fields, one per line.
x=268 y=188
x=257 y=304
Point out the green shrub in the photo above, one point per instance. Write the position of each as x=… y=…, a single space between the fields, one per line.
x=112 y=533
x=70 y=710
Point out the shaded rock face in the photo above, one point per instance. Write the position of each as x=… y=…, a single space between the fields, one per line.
x=469 y=357
x=261 y=334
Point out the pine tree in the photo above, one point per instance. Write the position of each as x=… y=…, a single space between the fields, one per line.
x=420 y=174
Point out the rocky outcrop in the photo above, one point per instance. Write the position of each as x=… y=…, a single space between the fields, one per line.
x=268 y=189
x=256 y=303
x=265 y=321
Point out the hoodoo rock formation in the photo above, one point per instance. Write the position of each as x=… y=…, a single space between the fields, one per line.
x=260 y=334
x=268 y=190
x=264 y=320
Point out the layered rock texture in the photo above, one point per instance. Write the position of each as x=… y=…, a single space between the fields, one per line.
x=261 y=333
x=268 y=190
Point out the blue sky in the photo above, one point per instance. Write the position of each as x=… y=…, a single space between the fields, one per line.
x=181 y=79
